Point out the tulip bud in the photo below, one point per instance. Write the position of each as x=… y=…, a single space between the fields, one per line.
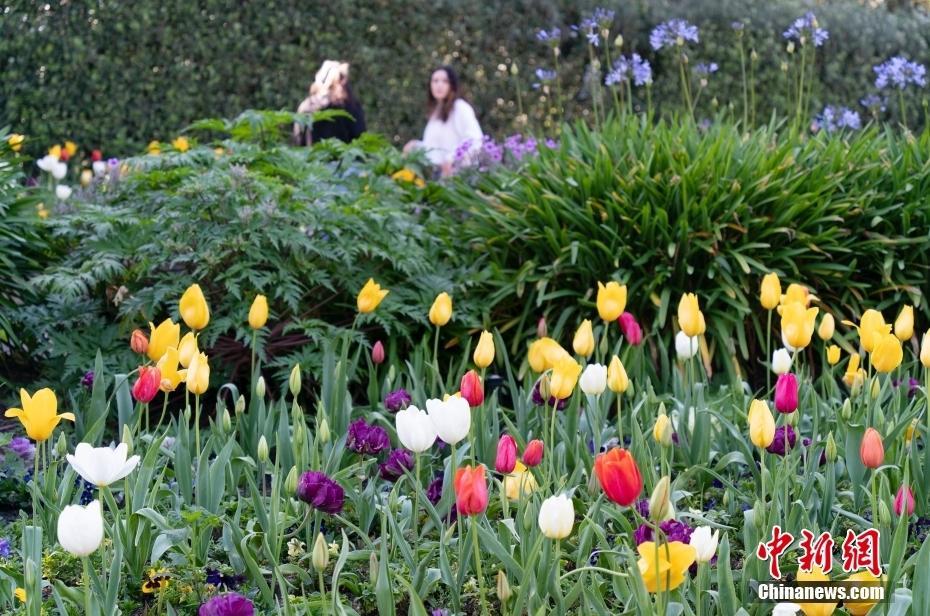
x=323 y=431
x=830 y=448
x=260 y=387
x=240 y=405
x=884 y=515
x=377 y=353
x=904 y=501
x=299 y=435
x=139 y=342
x=583 y=342
x=871 y=450
x=781 y=361
x=660 y=501
x=503 y=587
x=30 y=576
x=759 y=517
x=290 y=482
x=846 y=411
x=541 y=330
x=904 y=324
x=833 y=354
x=293 y=382
x=827 y=327
x=514 y=70
x=472 y=389
x=373 y=568
x=786 y=393
x=925 y=350
x=506 y=455
x=127 y=439
x=876 y=388
x=533 y=454
x=262 y=450
x=879 y=418
x=61 y=446
x=320 y=557
x=227 y=421
x=662 y=431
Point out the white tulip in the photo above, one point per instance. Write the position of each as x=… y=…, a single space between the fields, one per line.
x=557 y=516
x=102 y=466
x=593 y=380
x=100 y=168
x=80 y=529
x=451 y=418
x=62 y=192
x=781 y=361
x=59 y=170
x=685 y=346
x=415 y=429
x=47 y=163
x=785 y=609
x=704 y=543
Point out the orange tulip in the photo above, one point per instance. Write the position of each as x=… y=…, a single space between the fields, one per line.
x=871 y=451
x=619 y=476
x=471 y=490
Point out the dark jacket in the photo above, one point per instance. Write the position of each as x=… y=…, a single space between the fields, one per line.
x=344 y=129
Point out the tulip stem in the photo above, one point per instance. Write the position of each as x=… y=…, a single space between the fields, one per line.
x=619 y=420
x=768 y=355
x=252 y=369
x=555 y=410
x=436 y=357
x=197 y=422
x=322 y=590
x=474 y=543
x=88 y=603
x=416 y=495
x=35 y=483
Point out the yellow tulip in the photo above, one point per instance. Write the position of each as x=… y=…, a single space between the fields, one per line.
x=20 y=593
x=796 y=293
x=441 y=310
x=662 y=431
x=181 y=144
x=370 y=296
x=827 y=327
x=797 y=324
x=663 y=568
x=544 y=353
x=193 y=308
x=167 y=334
x=904 y=324
x=910 y=431
x=153 y=148
x=258 y=313
x=519 y=482
x=583 y=342
x=484 y=352
x=690 y=317
x=611 y=300
x=55 y=151
x=617 y=379
x=833 y=354
x=15 y=141
x=167 y=365
x=38 y=413
x=887 y=354
x=187 y=349
x=861 y=608
x=70 y=148
x=564 y=377
x=87 y=176
x=925 y=350
x=871 y=325
x=761 y=424
x=198 y=374
x=770 y=293
x=816 y=574
x=853 y=372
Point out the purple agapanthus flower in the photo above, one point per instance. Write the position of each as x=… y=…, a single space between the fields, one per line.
x=671 y=33
x=834 y=118
x=87 y=381
x=365 y=438
x=898 y=72
x=22 y=447
x=544 y=75
x=320 y=492
x=552 y=144
x=778 y=443
x=538 y=399
x=627 y=67
x=5 y=548
x=807 y=28
x=873 y=102
x=492 y=150
x=589 y=29
x=673 y=529
x=231 y=604
x=737 y=25
x=398 y=462
x=704 y=69
x=550 y=37
x=397 y=400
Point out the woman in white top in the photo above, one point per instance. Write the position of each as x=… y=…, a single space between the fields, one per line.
x=452 y=127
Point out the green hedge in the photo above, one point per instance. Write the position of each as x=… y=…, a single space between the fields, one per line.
x=115 y=75
x=669 y=209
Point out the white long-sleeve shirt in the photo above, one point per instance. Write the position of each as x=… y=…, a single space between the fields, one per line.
x=442 y=139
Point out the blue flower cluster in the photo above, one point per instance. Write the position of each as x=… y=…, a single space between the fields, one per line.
x=806 y=28
x=630 y=66
x=834 y=118
x=669 y=33
x=898 y=72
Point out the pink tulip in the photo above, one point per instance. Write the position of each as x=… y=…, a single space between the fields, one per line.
x=377 y=353
x=904 y=500
x=533 y=454
x=472 y=389
x=506 y=455
x=786 y=393
x=146 y=386
x=632 y=332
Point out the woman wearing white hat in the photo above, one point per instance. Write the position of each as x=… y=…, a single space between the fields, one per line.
x=331 y=90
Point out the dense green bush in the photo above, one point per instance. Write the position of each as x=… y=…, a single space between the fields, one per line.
x=306 y=227
x=65 y=65
x=671 y=208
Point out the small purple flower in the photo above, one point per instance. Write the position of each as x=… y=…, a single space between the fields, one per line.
x=544 y=75
x=673 y=529
x=397 y=400
x=671 y=33
x=642 y=506
x=739 y=26
x=898 y=72
x=806 y=27
x=87 y=381
x=232 y=604
x=588 y=27
x=113 y=163
x=778 y=443
x=216 y=578
x=398 y=462
x=439 y=612
x=550 y=37
x=538 y=399
x=365 y=438
x=5 y=548
x=703 y=69
x=434 y=491
x=22 y=447
x=835 y=118
x=552 y=144
x=320 y=492
x=873 y=102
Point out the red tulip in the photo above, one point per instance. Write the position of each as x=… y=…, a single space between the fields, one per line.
x=871 y=451
x=786 y=393
x=506 y=455
x=904 y=501
x=377 y=353
x=139 y=342
x=471 y=490
x=631 y=329
x=63 y=156
x=472 y=389
x=96 y=155
x=619 y=476
x=146 y=386
x=533 y=454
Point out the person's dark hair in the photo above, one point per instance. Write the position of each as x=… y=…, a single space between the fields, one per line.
x=442 y=108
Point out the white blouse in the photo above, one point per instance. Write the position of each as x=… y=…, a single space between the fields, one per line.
x=442 y=139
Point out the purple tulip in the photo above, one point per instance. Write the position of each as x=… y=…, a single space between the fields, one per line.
x=778 y=443
x=366 y=439
x=434 y=491
x=673 y=529
x=88 y=379
x=232 y=604
x=398 y=462
x=538 y=399
x=397 y=400
x=320 y=492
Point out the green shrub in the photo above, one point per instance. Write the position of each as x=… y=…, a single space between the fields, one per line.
x=671 y=208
